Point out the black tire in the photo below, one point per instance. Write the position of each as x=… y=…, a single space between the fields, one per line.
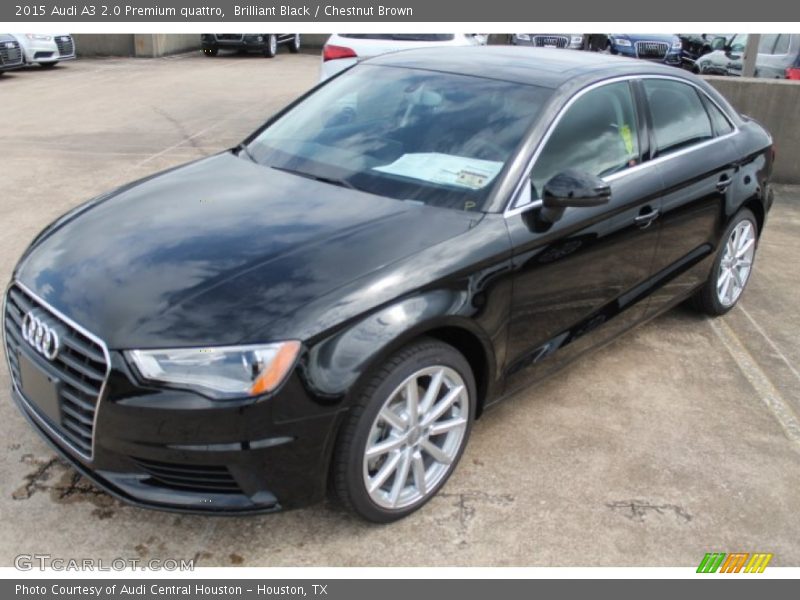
x=707 y=299
x=347 y=467
x=270 y=46
x=210 y=51
x=294 y=46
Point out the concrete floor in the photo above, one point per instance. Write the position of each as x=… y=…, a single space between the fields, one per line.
x=678 y=439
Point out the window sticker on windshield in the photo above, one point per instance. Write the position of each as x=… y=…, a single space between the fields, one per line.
x=447 y=169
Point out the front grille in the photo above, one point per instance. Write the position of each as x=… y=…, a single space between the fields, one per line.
x=10 y=56
x=559 y=41
x=229 y=37
x=651 y=49
x=211 y=479
x=66 y=47
x=81 y=367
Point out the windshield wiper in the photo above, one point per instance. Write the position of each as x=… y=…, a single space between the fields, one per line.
x=331 y=180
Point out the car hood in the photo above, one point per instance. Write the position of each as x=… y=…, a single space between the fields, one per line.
x=212 y=251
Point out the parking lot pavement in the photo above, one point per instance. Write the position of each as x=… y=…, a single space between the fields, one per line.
x=678 y=439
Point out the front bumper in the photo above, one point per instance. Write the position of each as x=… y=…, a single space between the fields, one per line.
x=178 y=451
x=49 y=51
x=11 y=56
x=247 y=42
x=672 y=57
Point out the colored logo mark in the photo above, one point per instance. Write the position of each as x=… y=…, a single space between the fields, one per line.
x=738 y=562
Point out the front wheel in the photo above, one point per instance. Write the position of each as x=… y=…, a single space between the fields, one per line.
x=271 y=47
x=294 y=47
x=732 y=266
x=406 y=433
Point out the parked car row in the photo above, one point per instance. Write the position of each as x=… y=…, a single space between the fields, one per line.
x=717 y=54
x=44 y=49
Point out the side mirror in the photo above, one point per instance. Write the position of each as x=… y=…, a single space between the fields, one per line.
x=573 y=188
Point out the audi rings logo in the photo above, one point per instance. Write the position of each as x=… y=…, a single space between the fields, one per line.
x=40 y=335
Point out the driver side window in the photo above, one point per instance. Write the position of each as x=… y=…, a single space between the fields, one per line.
x=598 y=134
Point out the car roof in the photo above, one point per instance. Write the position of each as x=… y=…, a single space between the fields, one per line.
x=542 y=67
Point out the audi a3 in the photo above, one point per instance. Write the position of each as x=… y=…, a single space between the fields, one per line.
x=329 y=306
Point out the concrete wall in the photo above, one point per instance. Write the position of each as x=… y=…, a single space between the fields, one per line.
x=775 y=103
x=95 y=44
x=160 y=44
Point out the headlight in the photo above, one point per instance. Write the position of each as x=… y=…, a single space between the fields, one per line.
x=676 y=44
x=38 y=37
x=622 y=42
x=525 y=37
x=576 y=41
x=221 y=372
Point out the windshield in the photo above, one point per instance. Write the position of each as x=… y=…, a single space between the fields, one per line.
x=409 y=134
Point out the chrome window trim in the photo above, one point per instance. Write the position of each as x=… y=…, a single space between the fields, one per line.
x=512 y=210
x=32 y=411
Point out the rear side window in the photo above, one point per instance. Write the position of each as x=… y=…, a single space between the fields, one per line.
x=766 y=45
x=721 y=123
x=679 y=118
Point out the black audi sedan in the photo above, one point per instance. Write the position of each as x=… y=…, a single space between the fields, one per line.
x=330 y=305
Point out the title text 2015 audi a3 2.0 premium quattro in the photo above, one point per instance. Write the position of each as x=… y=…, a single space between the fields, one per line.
x=338 y=298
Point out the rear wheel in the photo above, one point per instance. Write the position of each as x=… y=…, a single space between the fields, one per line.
x=271 y=47
x=406 y=433
x=294 y=46
x=732 y=267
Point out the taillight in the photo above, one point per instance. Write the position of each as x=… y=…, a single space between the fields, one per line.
x=331 y=52
x=793 y=73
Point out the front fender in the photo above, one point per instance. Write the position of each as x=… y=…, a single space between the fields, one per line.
x=335 y=364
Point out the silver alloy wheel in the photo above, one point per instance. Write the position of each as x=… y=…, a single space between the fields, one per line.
x=416 y=437
x=273 y=43
x=736 y=264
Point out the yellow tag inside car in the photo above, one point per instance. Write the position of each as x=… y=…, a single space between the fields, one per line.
x=627 y=137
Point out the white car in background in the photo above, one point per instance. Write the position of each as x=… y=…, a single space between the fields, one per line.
x=343 y=50
x=46 y=49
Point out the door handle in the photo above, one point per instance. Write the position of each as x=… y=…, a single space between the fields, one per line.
x=646 y=219
x=723 y=183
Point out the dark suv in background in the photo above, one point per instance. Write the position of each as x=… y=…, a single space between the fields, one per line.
x=266 y=43
x=10 y=53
